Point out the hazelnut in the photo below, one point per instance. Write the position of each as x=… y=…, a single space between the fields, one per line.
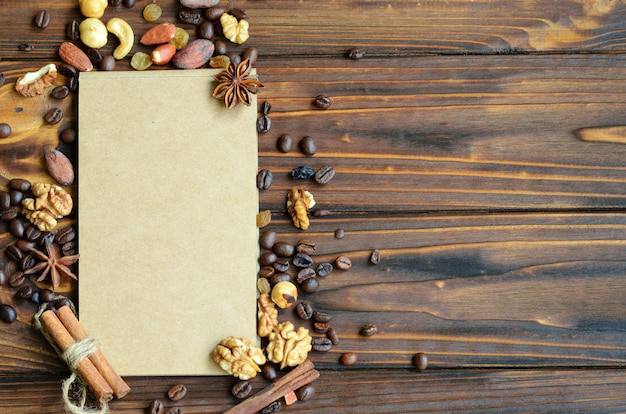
x=93 y=33
x=284 y=294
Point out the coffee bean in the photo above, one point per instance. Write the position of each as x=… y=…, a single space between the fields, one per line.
x=321 y=213
x=8 y=214
x=302 y=172
x=272 y=408
x=284 y=143
x=214 y=13
x=53 y=116
x=72 y=32
x=324 y=269
x=322 y=101
x=94 y=55
x=42 y=19
x=60 y=92
x=16 y=227
x=339 y=233
x=269 y=372
x=64 y=235
x=305 y=274
x=25 y=245
x=24 y=292
x=420 y=360
x=3 y=78
x=16 y=197
x=46 y=295
x=32 y=233
x=35 y=297
x=310 y=285
x=191 y=16
x=156 y=406
x=321 y=327
x=220 y=47
x=279 y=277
x=281 y=265
x=266 y=271
x=3 y=277
x=263 y=124
x=205 y=30
x=267 y=258
x=172 y=410
x=356 y=53
x=69 y=248
x=252 y=54
x=306 y=247
x=5 y=200
x=59 y=303
x=324 y=175
x=264 y=179
x=72 y=84
x=177 y=392
x=234 y=57
x=5 y=130
x=321 y=344
x=238 y=13
x=14 y=253
x=7 y=313
x=46 y=237
x=129 y=3
x=375 y=257
x=283 y=249
x=108 y=63
x=304 y=310
x=349 y=358
x=368 y=329
x=115 y=3
x=66 y=70
x=241 y=389
x=305 y=393
x=267 y=239
x=343 y=263
x=322 y=316
x=19 y=184
x=307 y=145
x=331 y=334
x=27 y=262
x=16 y=279
x=302 y=260
x=68 y=135
x=26 y=47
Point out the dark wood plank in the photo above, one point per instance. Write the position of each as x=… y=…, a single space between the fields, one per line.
x=378 y=391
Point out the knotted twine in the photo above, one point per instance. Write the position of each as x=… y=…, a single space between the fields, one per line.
x=72 y=356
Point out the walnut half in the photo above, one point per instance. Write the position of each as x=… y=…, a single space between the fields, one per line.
x=288 y=346
x=267 y=314
x=51 y=203
x=34 y=83
x=239 y=357
x=298 y=204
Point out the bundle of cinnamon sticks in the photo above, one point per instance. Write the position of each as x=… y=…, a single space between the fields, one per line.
x=95 y=370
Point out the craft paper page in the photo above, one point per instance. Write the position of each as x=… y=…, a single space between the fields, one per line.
x=167 y=205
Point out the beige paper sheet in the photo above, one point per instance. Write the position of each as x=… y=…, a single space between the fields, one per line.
x=167 y=204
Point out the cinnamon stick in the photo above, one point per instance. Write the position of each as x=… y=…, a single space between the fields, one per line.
x=85 y=368
x=300 y=376
x=74 y=327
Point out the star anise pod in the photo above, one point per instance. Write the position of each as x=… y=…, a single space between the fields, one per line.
x=235 y=84
x=52 y=264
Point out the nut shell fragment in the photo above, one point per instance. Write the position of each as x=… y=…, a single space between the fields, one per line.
x=34 y=83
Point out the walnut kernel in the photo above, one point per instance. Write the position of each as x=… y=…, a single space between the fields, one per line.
x=34 y=83
x=267 y=314
x=51 y=203
x=298 y=204
x=288 y=346
x=239 y=357
x=235 y=31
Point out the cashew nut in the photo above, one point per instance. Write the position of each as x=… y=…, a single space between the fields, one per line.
x=93 y=32
x=124 y=33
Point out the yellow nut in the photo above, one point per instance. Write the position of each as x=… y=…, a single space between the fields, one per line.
x=124 y=33
x=235 y=31
x=284 y=294
x=93 y=8
x=93 y=33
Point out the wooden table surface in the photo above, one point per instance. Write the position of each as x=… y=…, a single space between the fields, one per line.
x=479 y=145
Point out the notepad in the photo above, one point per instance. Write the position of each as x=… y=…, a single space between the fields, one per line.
x=167 y=205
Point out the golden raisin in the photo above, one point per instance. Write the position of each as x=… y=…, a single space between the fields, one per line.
x=141 y=61
x=180 y=39
x=152 y=12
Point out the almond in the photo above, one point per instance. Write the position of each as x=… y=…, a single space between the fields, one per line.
x=73 y=56
x=59 y=167
x=162 y=54
x=161 y=33
x=194 y=55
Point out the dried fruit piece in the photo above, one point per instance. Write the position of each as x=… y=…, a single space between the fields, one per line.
x=263 y=218
x=34 y=83
x=180 y=39
x=298 y=204
x=239 y=357
x=152 y=12
x=59 y=167
x=287 y=346
x=140 y=61
x=235 y=31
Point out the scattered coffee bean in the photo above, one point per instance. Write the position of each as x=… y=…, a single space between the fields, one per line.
x=8 y=214
x=220 y=48
x=7 y=313
x=283 y=249
x=321 y=327
x=66 y=70
x=272 y=408
x=307 y=145
x=322 y=101
x=269 y=372
x=129 y=3
x=156 y=406
x=177 y=392
x=72 y=83
x=42 y=19
x=214 y=13
x=241 y=389
x=264 y=179
x=46 y=295
x=32 y=233
x=252 y=54
x=324 y=269
x=279 y=277
x=331 y=334
x=234 y=57
x=3 y=277
x=304 y=310
x=339 y=233
x=73 y=32
x=356 y=53
x=17 y=278
x=108 y=63
x=310 y=285
x=5 y=200
x=94 y=55
x=238 y=13
x=172 y=410
x=35 y=297
x=267 y=258
x=26 y=47
x=27 y=262
x=321 y=213
x=19 y=184
x=302 y=260
x=46 y=237
x=25 y=245
x=3 y=78
x=266 y=108
x=14 y=253
x=343 y=263
x=53 y=116
x=302 y=172
x=420 y=360
x=59 y=303
x=306 y=392
x=24 y=292
x=304 y=274
x=267 y=239
x=284 y=143
x=16 y=227
x=16 y=197
x=281 y=265
x=368 y=329
x=349 y=358
x=68 y=135
x=324 y=175
x=322 y=316
x=5 y=130
x=60 y=92
x=306 y=247
x=69 y=248
x=321 y=344
x=263 y=124
x=266 y=271
x=205 y=30
x=115 y=3
x=375 y=257
x=65 y=234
